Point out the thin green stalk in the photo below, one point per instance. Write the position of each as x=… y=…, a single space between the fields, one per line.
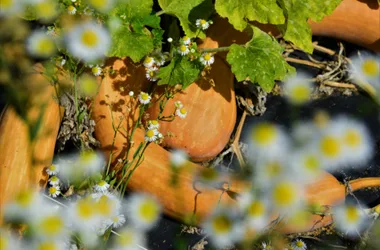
x=210 y=50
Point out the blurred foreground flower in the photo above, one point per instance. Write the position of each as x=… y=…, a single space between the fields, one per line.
x=298 y=89
x=350 y=219
x=40 y=44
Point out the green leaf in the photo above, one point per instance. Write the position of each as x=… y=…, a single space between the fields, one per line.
x=132 y=44
x=157 y=37
x=260 y=59
x=149 y=20
x=134 y=9
x=179 y=71
x=298 y=12
x=239 y=12
x=181 y=9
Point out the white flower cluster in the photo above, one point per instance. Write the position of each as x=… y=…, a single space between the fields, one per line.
x=152 y=134
x=152 y=65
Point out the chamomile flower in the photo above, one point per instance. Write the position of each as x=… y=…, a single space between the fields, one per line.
x=83 y=214
x=46 y=10
x=107 y=206
x=207 y=59
x=160 y=59
x=90 y=162
x=255 y=211
x=144 y=98
x=286 y=195
x=178 y=158
x=151 y=74
x=131 y=93
x=48 y=244
x=350 y=219
x=149 y=61
x=268 y=140
x=181 y=112
x=118 y=220
x=178 y=104
x=330 y=147
x=298 y=89
x=183 y=50
x=128 y=239
x=223 y=227
x=151 y=135
x=71 y=10
x=143 y=211
x=186 y=40
x=8 y=241
x=40 y=44
x=54 y=181
x=54 y=191
x=366 y=69
x=202 y=24
x=10 y=7
x=266 y=246
x=96 y=70
x=53 y=169
x=50 y=225
x=25 y=206
x=307 y=164
x=299 y=245
x=102 y=5
x=88 y=41
x=153 y=124
x=88 y=85
x=101 y=186
x=269 y=169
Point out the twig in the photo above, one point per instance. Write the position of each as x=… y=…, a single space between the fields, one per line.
x=304 y=62
x=319 y=240
x=323 y=49
x=235 y=144
x=339 y=84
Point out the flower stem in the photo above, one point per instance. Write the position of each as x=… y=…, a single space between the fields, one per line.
x=220 y=49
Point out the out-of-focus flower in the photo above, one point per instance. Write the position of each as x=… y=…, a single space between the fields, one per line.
x=49 y=224
x=183 y=50
x=256 y=211
x=71 y=10
x=151 y=74
x=202 y=24
x=46 y=10
x=330 y=147
x=207 y=59
x=186 y=40
x=102 y=5
x=267 y=171
x=365 y=69
x=129 y=239
x=223 y=227
x=88 y=85
x=40 y=44
x=88 y=41
x=47 y=244
x=143 y=211
x=170 y=39
x=83 y=214
x=306 y=164
x=8 y=241
x=350 y=219
x=181 y=112
x=25 y=206
x=208 y=177
x=298 y=89
x=286 y=195
x=10 y=7
x=96 y=70
x=131 y=93
x=144 y=98
x=178 y=158
x=266 y=246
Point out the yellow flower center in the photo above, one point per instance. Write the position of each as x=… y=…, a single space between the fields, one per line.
x=3 y=242
x=52 y=190
x=370 y=68
x=144 y=96
x=54 y=178
x=185 y=38
x=330 y=146
x=52 y=168
x=89 y=38
x=47 y=246
x=203 y=22
x=256 y=209
x=221 y=224
x=183 y=111
x=86 y=157
x=95 y=70
x=85 y=209
x=150 y=133
x=115 y=219
x=99 y=4
x=46 y=9
x=284 y=194
x=352 y=214
x=104 y=206
x=183 y=48
x=149 y=210
x=299 y=244
x=207 y=57
x=300 y=94
x=148 y=59
x=88 y=85
x=152 y=73
x=264 y=134
x=102 y=183
x=352 y=138
x=71 y=8
x=24 y=198
x=125 y=239
x=51 y=225
x=154 y=122
x=273 y=169
x=311 y=163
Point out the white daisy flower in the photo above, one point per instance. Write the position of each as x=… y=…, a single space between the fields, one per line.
x=207 y=59
x=151 y=74
x=178 y=158
x=266 y=246
x=25 y=206
x=40 y=44
x=299 y=245
x=129 y=239
x=102 y=5
x=47 y=244
x=153 y=124
x=268 y=141
x=49 y=224
x=83 y=215
x=97 y=71
x=131 y=93
x=151 y=135
x=144 y=98
x=149 y=62
x=268 y=170
x=160 y=59
x=143 y=211
x=223 y=227
x=181 y=112
x=10 y=7
x=54 y=181
x=350 y=219
x=8 y=241
x=183 y=50
x=256 y=212
x=102 y=186
x=307 y=164
x=202 y=24
x=90 y=161
x=186 y=40
x=54 y=191
x=46 y=10
x=170 y=39
x=118 y=220
x=178 y=104
x=298 y=89
x=71 y=10
x=366 y=69
x=286 y=195
x=88 y=41
x=53 y=169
